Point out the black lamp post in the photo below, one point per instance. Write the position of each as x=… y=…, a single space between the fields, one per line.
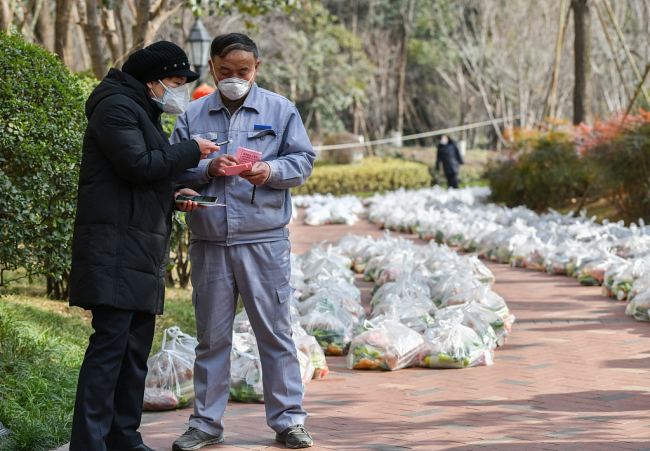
x=199 y=48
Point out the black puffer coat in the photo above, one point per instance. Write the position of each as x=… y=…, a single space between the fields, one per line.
x=123 y=225
x=450 y=157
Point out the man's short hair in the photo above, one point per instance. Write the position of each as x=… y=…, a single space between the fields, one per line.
x=223 y=44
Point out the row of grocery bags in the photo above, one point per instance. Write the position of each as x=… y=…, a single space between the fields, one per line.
x=609 y=254
x=431 y=307
x=322 y=209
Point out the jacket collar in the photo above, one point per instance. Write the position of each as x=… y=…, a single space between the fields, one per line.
x=252 y=100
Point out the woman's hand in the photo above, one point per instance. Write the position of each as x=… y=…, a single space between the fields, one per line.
x=188 y=205
x=218 y=165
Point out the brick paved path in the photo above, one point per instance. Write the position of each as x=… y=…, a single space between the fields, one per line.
x=573 y=376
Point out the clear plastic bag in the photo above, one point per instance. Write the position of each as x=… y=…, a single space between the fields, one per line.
x=308 y=345
x=242 y=324
x=472 y=316
x=593 y=273
x=325 y=324
x=638 y=307
x=622 y=282
x=245 y=370
x=389 y=346
x=453 y=345
x=170 y=376
x=407 y=288
x=453 y=284
x=355 y=312
x=482 y=294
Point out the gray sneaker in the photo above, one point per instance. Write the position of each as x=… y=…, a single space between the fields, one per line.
x=295 y=437
x=194 y=439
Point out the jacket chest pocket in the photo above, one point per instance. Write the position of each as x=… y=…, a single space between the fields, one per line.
x=264 y=141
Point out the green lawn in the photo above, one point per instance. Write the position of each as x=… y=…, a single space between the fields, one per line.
x=42 y=344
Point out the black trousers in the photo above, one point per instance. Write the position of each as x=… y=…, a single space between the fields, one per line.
x=110 y=393
x=452 y=180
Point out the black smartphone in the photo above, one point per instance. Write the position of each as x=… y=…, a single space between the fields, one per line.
x=201 y=200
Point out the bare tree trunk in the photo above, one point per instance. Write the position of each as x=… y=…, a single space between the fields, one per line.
x=407 y=19
x=62 y=28
x=621 y=37
x=140 y=27
x=93 y=34
x=80 y=21
x=463 y=99
x=619 y=66
x=5 y=15
x=44 y=30
x=123 y=37
x=89 y=21
x=112 y=37
x=159 y=17
x=558 y=57
x=582 y=111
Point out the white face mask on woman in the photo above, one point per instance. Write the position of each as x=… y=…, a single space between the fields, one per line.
x=175 y=100
x=234 y=88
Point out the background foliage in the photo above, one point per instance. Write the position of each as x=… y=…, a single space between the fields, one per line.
x=571 y=166
x=41 y=129
x=541 y=171
x=373 y=174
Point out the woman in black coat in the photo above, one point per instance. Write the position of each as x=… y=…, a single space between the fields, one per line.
x=121 y=237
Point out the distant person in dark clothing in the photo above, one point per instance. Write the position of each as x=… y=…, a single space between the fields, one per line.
x=450 y=157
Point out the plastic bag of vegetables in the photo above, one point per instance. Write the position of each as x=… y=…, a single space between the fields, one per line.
x=324 y=322
x=338 y=295
x=242 y=324
x=638 y=307
x=389 y=346
x=452 y=345
x=593 y=274
x=170 y=376
x=483 y=295
x=472 y=316
x=413 y=314
x=245 y=370
x=308 y=345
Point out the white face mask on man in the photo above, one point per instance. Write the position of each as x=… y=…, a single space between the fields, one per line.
x=233 y=88
x=174 y=101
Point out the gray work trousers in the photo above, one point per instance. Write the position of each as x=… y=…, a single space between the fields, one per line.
x=260 y=273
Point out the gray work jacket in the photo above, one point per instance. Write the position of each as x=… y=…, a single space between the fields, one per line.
x=267 y=123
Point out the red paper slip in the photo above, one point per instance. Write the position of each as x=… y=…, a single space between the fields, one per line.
x=245 y=155
x=238 y=169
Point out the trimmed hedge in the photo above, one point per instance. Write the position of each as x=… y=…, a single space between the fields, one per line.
x=373 y=174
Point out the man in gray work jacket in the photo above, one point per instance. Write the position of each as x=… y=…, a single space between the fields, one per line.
x=243 y=247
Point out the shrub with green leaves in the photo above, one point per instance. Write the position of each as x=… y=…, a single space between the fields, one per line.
x=546 y=171
x=42 y=123
x=621 y=152
x=373 y=174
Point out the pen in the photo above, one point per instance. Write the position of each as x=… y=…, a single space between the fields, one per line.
x=253 y=198
x=224 y=143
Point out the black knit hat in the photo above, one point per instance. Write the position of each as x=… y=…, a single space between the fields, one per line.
x=159 y=60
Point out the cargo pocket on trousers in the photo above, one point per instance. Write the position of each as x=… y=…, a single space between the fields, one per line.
x=282 y=321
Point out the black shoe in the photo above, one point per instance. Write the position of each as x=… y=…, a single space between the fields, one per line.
x=141 y=447
x=295 y=437
x=194 y=439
